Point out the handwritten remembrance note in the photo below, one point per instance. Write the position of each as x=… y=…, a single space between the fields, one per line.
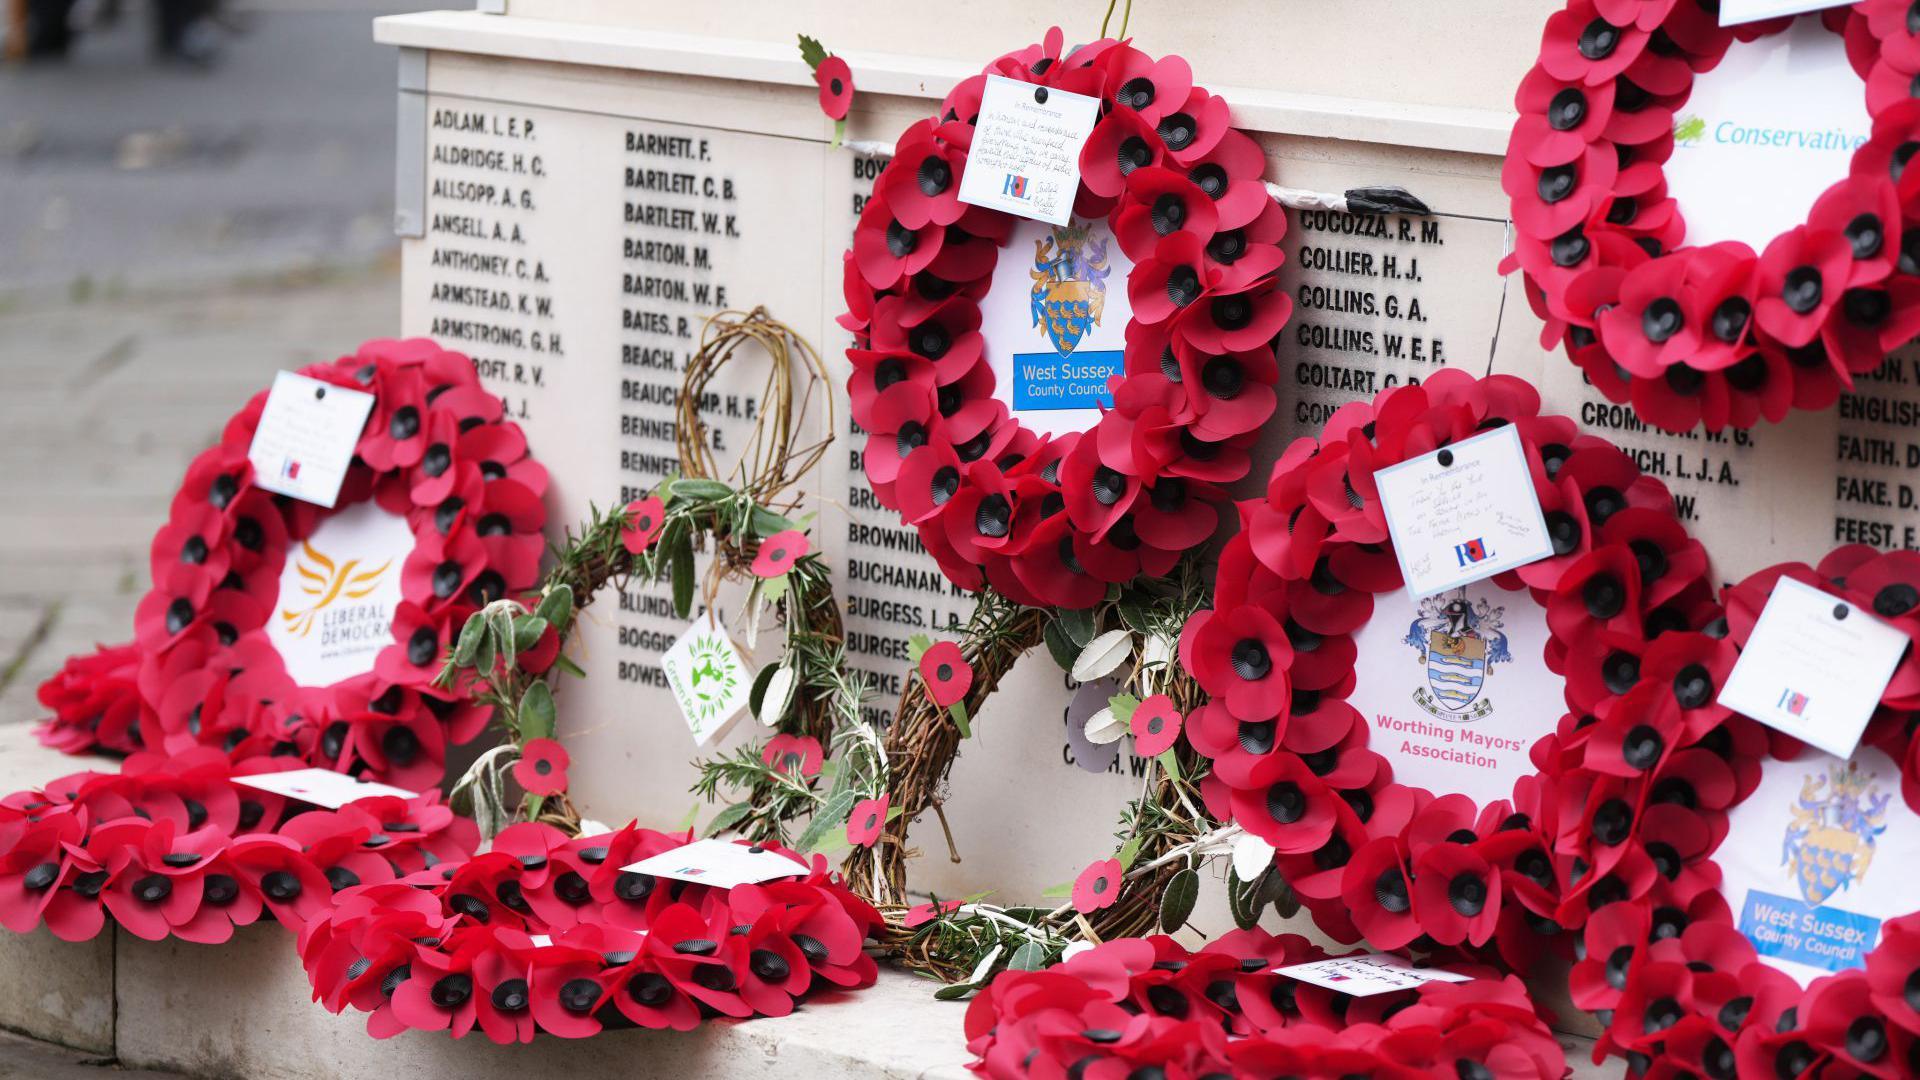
x=321 y=787
x=1025 y=157
x=719 y=863
x=306 y=437
x=1464 y=512
x=1814 y=668
x=1364 y=976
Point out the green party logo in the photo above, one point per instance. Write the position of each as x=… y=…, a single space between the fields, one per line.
x=713 y=676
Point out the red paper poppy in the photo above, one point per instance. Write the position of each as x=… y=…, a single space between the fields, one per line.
x=836 y=87
x=534 y=936
x=542 y=768
x=794 y=753
x=779 y=552
x=1135 y=1007
x=1155 y=726
x=645 y=518
x=921 y=914
x=947 y=673
x=864 y=825
x=1056 y=521
x=1714 y=335
x=1098 y=886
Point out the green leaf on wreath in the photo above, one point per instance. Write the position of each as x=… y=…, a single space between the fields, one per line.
x=1170 y=761
x=917 y=646
x=1241 y=903
x=700 y=490
x=728 y=818
x=954 y=991
x=527 y=630
x=1079 y=625
x=758 y=692
x=1176 y=903
x=557 y=607
x=1029 y=957
x=537 y=712
x=1123 y=706
x=765 y=522
x=567 y=665
x=1129 y=851
x=812 y=51
x=470 y=635
x=1060 y=645
x=774 y=588
x=1065 y=888
x=831 y=815
x=683 y=576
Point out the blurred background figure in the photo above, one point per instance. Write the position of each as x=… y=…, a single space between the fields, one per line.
x=187 y=31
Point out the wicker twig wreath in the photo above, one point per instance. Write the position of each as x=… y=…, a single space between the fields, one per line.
x=1051 y=520
x=546 y=933
x=1686 y=970
x=1715 y=334
x=1151 y=1008
x=1293 y=760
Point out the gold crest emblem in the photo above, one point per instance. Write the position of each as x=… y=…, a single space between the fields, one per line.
x=1069 y=285
x=328 y=583
x=1830 y=840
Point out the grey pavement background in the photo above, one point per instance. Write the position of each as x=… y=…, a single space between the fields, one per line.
x=168 y=239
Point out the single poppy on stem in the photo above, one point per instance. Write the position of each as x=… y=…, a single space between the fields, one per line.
x=1098 y=886
x=779 y=552
x=542 y=768
x=948 y=677
x=866 y=821
x=645 y=518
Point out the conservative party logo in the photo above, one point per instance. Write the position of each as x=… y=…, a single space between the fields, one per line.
x=1460 y=642
x=1831 y=837
x=328 y=583
x=1069 y=285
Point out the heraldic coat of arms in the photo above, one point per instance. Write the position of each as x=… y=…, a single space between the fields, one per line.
x=1069 y=285
x=1830 y=841
x=1459 y=642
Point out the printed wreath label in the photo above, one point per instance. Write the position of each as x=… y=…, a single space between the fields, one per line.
x=1300 y=588
x=279 y=628
x=1712 y=334
x=1757 y=915
x=1061 y=416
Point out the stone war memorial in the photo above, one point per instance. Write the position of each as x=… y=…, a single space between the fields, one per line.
x=1122 y=541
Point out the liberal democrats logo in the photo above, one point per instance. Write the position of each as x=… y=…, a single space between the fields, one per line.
x=1069 y=285
x=1459 y=642
x=328 y=583
x=1830 y=840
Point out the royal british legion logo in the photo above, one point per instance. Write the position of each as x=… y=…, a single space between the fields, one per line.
x=1830 y=839
x=1015 y=186
x=1460 y=642
x=1473 y=551
x=329 y=584
x=1069 y=285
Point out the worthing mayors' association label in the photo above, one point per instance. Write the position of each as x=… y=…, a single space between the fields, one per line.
x=1456 y=687
x=1055 y=324
x=708 y=678
x=1818 y=857
x=338 y=591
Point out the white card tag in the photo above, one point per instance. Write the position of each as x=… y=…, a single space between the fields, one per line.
x=1464 y=512
x=708 y=678
x=306 y=437
x=321 y=787
x=1735 y=12
x=1364 y=976
x=719 y=863
x=1025 y=155
x=1814 y=668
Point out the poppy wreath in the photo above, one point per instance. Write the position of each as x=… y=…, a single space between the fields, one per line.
x=1369 y=856
x=1709 y=334
x=1679 y=989
x=1148 y=1007
x=546 y=932
x=1054 y=521
x=172 y=847
x=202 y=670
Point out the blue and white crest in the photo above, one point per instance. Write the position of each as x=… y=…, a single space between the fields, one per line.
x=1069 y=285
x=1459 y=642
